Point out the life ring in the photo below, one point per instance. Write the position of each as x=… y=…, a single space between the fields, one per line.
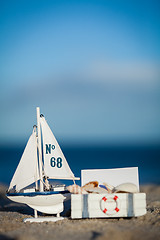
x=105 y=200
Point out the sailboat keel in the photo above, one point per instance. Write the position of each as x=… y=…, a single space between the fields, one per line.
x=52 y=209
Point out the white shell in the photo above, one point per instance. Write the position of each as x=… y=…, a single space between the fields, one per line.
x=90 y=185
x=76 y=189
x=126 y=187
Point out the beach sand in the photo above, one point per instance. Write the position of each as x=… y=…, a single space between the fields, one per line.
x=145 y=227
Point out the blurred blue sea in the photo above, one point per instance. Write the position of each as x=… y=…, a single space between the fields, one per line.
x=146 y=158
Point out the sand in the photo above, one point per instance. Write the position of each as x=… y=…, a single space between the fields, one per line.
x=145 y=227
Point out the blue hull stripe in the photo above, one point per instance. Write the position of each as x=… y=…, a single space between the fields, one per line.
x=32 y=194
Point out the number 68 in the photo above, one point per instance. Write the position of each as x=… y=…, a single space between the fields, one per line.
x=56 y=162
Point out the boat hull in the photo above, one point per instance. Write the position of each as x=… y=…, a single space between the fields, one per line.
x=45 y=202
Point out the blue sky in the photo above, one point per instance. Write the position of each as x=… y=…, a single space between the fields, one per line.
x=92 y=66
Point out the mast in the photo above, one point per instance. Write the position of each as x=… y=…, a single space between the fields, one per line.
x=39 y=150
x=37 y=173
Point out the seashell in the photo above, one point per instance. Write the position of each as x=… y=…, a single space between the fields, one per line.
x=126 y=187
x=76 y=189
x=109 y=187
x=90 y=185
x=96 y=190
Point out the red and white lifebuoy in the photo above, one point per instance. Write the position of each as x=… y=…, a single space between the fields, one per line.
x=106 y=200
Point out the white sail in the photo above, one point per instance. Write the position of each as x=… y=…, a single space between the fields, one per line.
x=55 y=164
x=27 y=170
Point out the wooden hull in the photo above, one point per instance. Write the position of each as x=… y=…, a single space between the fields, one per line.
x=49 y=203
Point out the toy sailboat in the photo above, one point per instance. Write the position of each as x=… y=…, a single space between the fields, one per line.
x=41 y=161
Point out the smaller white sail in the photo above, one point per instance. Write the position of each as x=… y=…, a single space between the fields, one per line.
x=27 y=170
x=55 y=164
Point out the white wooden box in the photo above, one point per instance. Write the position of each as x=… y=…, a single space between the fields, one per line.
x=108 y=205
